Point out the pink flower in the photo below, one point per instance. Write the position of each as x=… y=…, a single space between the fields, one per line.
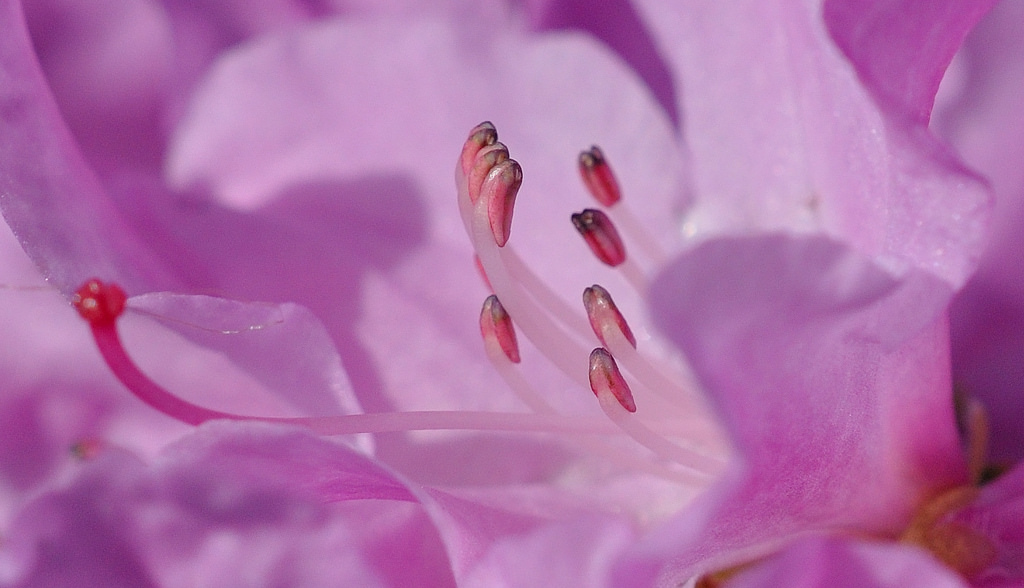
x=265 y=155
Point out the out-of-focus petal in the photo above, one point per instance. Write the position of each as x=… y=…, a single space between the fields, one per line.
x=617 y=24
x=234 y=489
x=848 y=563
x=981 y=116
x=379 y=137
x=784 y=136
x=108 y=64
x=48 y=195
x=997 y=514
x=831 y=376
x=901 y=48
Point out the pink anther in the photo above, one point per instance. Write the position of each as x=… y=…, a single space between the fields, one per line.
x=496 y=328
x=604 y=315
x=481 y=136
x=500 y=188
x=605 y=378
x=600 y=234
x=598 y=177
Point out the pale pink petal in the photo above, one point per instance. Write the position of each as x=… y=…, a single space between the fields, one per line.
x=50 y=198
x=982 y=117
x=901 y=48
x=282 y=346
x=617 y=24
x=380 y=138
x=832 y=378
x=784 y=136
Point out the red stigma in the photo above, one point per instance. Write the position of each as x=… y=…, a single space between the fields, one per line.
x=98 y=302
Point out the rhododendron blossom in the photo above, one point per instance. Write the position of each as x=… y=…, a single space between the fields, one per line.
x=685 y=323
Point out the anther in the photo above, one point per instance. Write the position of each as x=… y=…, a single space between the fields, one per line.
x=606 y=378
x=98 y=302
x=604 y=315
x=486 y=159
x=497 y=330
x=600 y=234
x=86 y=449
x=500 y=188
x=598 y=177
x=481 y=136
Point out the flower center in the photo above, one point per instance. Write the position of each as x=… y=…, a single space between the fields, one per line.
x=654 y=402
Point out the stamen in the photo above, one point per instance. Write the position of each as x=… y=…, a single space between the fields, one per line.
x=558 y=331
x=486 y=159
x=954 y=544
x=481 y=136
x=616 y=401
x=598 y=177
x=499 y=191
x=496 y=328
x=600 y=234
x=483 y=273
x=972 y=422
x=86 y=449
x=604 y=315
x=605 y=379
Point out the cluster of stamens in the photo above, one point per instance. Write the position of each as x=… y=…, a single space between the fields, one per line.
x=488 y=181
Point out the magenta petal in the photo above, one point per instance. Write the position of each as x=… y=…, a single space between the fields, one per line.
x=49 y=197
x=901 y=48
x=998 y=515
x=316 y=512
x=848 y=563
x=830 y=375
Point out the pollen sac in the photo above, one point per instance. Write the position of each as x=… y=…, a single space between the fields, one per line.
x=99 y=303
x=604 y=315
x=500 y=188
x=481 y=136
x=599 y=232
x=598 y=177
x=606 y=378
x=485 y=161
x=496 y=328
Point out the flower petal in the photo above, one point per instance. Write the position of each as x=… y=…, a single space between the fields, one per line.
x=296 y=500
x=832 y=378
x=901 y=48
x=848 y=563
x=785 y=137
x=48 y=195
x=997 y=514
x=981 y=117
x=256 y=141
